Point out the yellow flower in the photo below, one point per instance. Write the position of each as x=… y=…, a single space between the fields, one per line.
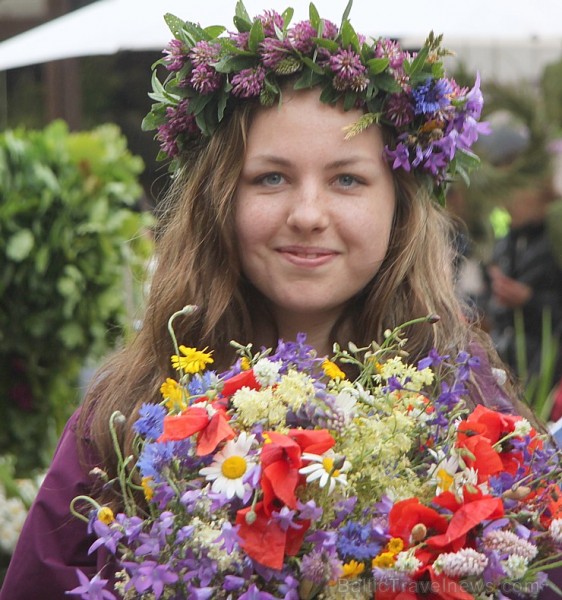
x=385 y=560
x=352 y=569
x=193 y=360
x=245 y=363
x=332 y=370
x=395 y=545
x=172 y=391
x=445 y=479
x=105 y=515
x=146 y=484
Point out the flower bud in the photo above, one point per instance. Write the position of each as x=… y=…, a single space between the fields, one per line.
x=517 y=492
x=419 y=531
x=251 y=517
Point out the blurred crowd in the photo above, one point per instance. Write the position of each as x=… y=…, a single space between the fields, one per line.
x=511 y=272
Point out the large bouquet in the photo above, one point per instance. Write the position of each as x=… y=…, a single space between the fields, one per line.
x=285 y=478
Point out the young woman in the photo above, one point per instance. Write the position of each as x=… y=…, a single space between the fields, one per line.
x=301 y=202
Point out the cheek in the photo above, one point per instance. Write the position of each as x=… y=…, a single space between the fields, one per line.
x=250 y=225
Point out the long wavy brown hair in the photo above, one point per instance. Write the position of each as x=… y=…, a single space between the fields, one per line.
x=197 y=262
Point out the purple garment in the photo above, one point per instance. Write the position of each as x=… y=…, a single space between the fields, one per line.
x=54 y=543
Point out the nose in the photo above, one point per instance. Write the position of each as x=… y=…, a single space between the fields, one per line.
x=308 y=211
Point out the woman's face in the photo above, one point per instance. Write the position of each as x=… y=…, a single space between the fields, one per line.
x=313 y=210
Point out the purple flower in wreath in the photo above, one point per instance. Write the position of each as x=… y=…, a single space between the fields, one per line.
x=204 y=53
x=347 y=65
x=175 y=55
x=249 y=82
x=399 y=157
x=179 y=122
x=270 y=20
x=399 y=110
x=273 y=51
x=301 y=37
x=205 y=79
x=390 y=49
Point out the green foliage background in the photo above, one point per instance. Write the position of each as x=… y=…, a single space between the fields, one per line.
x=70 y=233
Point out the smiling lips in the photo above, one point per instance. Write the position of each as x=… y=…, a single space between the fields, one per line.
x=307 y=256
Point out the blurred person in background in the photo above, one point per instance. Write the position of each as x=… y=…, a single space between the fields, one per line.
x=523 y=275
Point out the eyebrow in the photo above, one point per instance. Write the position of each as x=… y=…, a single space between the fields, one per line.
x=336 y=164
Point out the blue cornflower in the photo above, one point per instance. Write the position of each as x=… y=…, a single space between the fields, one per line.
x=154 y=457
x=201 y=383
x=91 y=589
x=151 y=421
x=432 y=96
x=356 y=541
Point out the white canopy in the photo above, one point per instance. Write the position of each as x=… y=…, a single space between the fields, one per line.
x=108 y=26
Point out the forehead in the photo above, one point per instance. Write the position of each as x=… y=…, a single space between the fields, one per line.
x=301 y=120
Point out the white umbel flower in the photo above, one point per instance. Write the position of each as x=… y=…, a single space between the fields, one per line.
x=266 y=371
x=555 y=530
x=321 y=468
x=515 y=566
x=522 y=428
x=230 y=467
x=464 y=563
x=406 y=562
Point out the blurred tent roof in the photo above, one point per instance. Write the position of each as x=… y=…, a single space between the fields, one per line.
x=110 y=26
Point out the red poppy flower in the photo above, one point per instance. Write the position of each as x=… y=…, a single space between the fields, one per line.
x=406 y=514
x=195 y=419
x=265 y=541
x=281 y=460
x=486 y=461
x=490 y=423
x=237 y=382
x=467 y=516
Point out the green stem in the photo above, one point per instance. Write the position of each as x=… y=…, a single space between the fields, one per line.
x=78 y=514
x=186 y=310
x=121 y=464
x=427 y=319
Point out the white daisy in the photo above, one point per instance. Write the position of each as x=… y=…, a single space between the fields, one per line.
x=230 y=467
x=321 y=467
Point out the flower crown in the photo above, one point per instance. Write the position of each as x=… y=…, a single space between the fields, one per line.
x=434 y=120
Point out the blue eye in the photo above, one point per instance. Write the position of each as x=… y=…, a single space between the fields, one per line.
x=347 y=180
x=272 y=179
